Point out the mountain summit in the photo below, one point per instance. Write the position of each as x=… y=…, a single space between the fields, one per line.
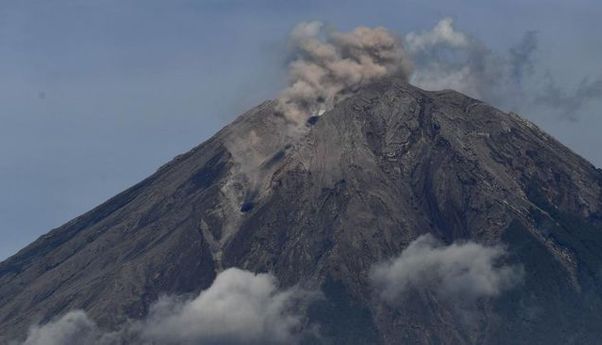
x=329 y=208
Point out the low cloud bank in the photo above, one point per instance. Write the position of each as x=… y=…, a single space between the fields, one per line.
x=464 y=271
x=240 y=307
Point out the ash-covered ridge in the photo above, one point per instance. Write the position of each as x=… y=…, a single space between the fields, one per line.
x=321 y=208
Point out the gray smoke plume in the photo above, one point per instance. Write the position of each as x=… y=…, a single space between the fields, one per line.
x=240 y=307
x=446 y=58
x=522 y=60
x=329 y=65
x=570 y=104
x=463 y=271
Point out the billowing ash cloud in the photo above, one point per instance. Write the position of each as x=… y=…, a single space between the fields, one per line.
x=329 y=65
x=240 y=307
x=465 y=271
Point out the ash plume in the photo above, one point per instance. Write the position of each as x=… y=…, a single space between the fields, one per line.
x=329 y=65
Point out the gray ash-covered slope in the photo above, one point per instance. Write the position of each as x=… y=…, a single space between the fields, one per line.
x=384 y=166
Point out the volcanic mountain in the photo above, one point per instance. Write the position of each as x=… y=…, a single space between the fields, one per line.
x=386 y=165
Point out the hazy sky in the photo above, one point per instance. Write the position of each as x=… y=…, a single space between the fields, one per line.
x=97 y=94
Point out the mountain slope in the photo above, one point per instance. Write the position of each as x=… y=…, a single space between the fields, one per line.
x=384 y=166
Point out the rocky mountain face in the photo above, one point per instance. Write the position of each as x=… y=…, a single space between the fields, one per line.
x=383 y=167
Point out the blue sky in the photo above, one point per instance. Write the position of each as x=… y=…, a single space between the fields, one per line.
x=95 y=95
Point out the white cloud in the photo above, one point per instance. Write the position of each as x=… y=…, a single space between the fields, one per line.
x=463 y=271
x=72 y=329
x=76 y=328
x=446 y=58
x=443 y=33
x=240 y=307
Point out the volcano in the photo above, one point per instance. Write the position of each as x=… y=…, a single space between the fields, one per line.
x=365 y=179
